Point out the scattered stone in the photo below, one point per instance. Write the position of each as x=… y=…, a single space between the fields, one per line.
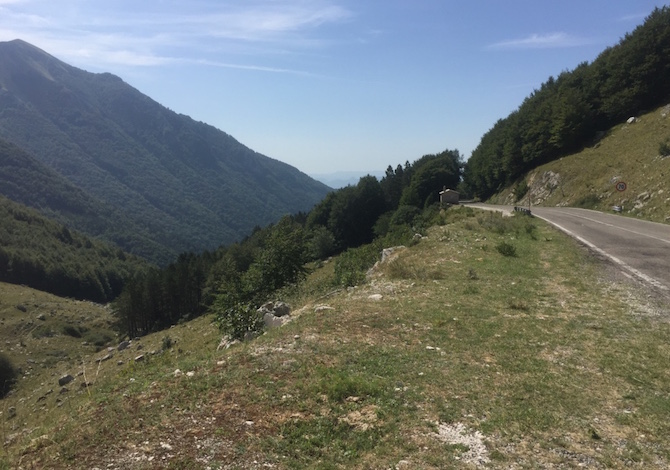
x=86 y=384
x=166 y=446
x=22 y=308
x=476 y=453
x=123 y=345
x=119 y=363
x=139 y=346
x=66 y=379
x=376 y=297
x=322 y=308
x=11 y=412
x=226 y=343
x=104 y=358
x=388 y=252
x=42 y=317
x=139 y=358
x=632 y=120
x=190 y=373
x=177 y=373
x=64 y=390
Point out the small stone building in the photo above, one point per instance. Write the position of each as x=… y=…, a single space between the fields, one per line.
x=449 y=196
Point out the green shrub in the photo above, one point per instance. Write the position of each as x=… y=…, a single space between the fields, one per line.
x=405 y=215
x=43 y=331
x=166 y=343
x=98 y=338
x=521 y=190
x=8 y=375
x=506 y=249
x=664 y=148
x=321 y=243
x=589 y=201
x=238 y=320
x=74 y=331
x=352 y=265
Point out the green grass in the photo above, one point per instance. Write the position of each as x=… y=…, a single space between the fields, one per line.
x=629 y=153
x=541 y=355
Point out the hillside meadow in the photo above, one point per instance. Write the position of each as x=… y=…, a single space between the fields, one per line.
x=635 y=153
x=491 y=343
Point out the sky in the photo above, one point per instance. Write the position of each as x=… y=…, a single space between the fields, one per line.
x=331 y=85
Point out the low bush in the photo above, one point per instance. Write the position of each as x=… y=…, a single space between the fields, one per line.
x=506 y=249
x=74 y=331
x=239 y=320
x=664 y=148
x=98 y=338
x=521 y=190
x=589 y=201
x=8 y=375
x=352 y=265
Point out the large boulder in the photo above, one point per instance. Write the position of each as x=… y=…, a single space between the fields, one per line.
x=275 y=313
x=64 y=380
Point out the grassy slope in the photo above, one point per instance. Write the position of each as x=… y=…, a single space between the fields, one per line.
x=537 y=360
x=628 y=153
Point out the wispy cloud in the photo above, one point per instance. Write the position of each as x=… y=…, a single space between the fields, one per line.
x=635 y=17
x=206 y=32
x=542 y=41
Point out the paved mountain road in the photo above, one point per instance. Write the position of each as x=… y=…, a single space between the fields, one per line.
x=640 y=247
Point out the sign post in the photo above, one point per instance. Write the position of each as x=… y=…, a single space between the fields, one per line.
x=621 y=187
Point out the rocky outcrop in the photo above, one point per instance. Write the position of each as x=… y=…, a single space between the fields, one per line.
x=275 y=314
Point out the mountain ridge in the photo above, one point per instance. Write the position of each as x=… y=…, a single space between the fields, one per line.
x=191 y=185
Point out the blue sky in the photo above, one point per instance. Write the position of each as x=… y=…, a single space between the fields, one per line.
x=331 y=85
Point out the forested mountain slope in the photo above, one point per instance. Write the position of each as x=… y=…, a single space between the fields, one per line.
x=29 y=182
x=189 y=185
x=573 y=110
x=46 y=255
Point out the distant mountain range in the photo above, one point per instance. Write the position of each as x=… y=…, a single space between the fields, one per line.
x=340 y=179
x=96 y=154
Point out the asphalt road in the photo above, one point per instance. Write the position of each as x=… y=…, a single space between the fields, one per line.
x=639 y=247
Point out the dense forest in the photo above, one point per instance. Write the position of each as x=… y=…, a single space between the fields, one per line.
x=239 y=277
x=25 y=180
x=46 y=255
x=570 y=111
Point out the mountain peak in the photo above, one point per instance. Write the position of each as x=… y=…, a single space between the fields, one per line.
x=189 y=185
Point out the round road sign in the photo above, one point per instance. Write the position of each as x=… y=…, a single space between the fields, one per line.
x=621 y=186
